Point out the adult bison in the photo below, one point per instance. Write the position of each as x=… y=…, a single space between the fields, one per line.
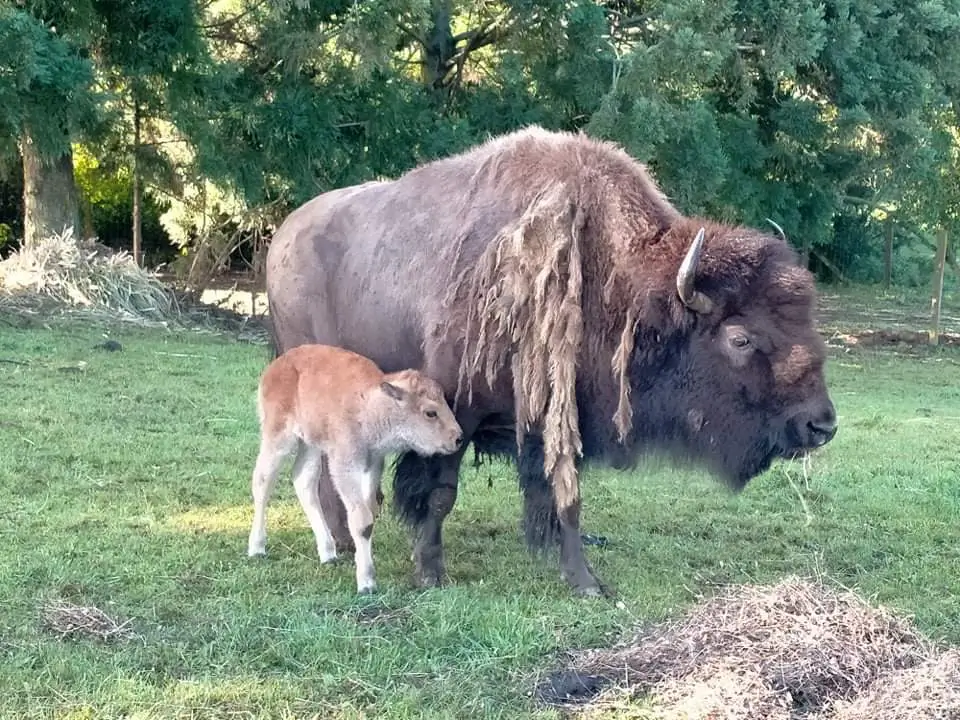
x=569 y=311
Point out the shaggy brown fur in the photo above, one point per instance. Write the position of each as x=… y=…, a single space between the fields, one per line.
x=523 y=301
x=524 y=307
x=543 y=292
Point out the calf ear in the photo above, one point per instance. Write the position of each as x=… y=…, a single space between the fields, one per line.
x=393 y=391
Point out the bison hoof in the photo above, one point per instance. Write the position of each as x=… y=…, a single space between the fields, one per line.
x=591 y=591
x=584 y=584
x=428 y=578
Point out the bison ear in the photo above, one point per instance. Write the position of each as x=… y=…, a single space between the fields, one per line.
x=393 y=391
x=693 y=299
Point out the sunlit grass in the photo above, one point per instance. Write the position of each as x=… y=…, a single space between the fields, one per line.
x=126 y=483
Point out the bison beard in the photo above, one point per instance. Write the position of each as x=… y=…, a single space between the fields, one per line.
x=564 y=304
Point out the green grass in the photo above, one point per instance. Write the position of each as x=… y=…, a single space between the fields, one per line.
x=127 y=486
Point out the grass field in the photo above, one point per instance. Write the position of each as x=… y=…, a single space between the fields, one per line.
x=127 y=487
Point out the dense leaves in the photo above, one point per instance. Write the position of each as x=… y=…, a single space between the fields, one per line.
x=829 y=116
x=45 y=83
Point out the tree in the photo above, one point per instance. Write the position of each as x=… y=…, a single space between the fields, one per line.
x=814 y=113
x=44 y=99
x=141 y=47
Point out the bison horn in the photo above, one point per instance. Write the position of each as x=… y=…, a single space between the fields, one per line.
x=693 y=299
x=779 y=229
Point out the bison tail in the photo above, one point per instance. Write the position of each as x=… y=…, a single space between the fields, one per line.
x=275 y=349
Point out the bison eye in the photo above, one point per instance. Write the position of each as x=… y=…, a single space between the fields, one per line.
x=740 y=341
x=430 y=413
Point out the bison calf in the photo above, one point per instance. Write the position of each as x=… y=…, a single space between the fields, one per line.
x=336 y=407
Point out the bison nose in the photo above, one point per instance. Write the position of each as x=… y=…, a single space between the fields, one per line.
x=822 y=429
x=458 y=440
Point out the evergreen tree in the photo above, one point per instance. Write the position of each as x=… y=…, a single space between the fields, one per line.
x=45 y=100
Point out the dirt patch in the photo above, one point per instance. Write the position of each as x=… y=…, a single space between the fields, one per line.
x=797 y=649
x=871 y=308
x=891 y=339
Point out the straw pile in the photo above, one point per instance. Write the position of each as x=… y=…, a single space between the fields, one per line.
x=796 y=649
x=86 y=274
x=68 y=277
x=66 y=619
x=929 y=690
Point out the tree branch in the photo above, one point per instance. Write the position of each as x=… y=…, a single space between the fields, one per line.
x=411 y=34
x=236 y=18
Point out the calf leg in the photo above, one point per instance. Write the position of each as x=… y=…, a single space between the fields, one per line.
x=294 y=323
x=359 y=486
x=544 y=526
x=425 y=490
x=273 y=451
x=305 y=470
x=334 y=511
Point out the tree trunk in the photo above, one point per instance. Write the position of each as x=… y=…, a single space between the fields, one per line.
x=439 y=47
x=137 y=224
x=50 y=200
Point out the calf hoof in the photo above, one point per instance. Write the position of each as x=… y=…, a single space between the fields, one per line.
x=327 y=555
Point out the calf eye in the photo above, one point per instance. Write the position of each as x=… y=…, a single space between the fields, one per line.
x=430 y=413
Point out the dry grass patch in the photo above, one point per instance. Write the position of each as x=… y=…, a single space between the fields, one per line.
x=86 y=274
x=792 y=650
x=929 y=690
x=67 y=619
x=64 y=276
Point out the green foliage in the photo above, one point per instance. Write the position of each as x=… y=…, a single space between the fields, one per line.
x=11 y=205
x=790 y=109
x=106 y=196
x=825 y=115
x=127 y=487
x=45 y=84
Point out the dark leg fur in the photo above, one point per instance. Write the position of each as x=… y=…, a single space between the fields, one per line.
x=541 y=526
x=544 y=528
x=425 y=490
x=334 y=512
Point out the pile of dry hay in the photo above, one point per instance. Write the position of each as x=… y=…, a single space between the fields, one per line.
x=65 y=276
x=797 y=649
x=67 y=619
x=85 y=274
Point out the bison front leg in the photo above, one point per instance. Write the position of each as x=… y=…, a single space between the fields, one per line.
x=544 y=527
x=425 y=491
x=334 y=511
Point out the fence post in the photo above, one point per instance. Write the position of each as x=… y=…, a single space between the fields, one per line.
x=937 y=298
x=887 y=253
